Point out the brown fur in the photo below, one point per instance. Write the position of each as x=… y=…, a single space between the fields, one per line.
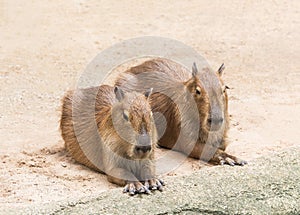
x=100 y=130
x=175 y=87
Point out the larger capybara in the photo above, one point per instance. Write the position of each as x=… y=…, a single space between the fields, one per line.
x=112 y=132
x=193 y=104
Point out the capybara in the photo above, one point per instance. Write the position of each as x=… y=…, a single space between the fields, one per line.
x=112 y=132
x=176 y=94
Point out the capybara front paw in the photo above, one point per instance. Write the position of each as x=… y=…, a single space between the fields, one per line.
x=231 y=160
x=135 y=187
x=155 y=184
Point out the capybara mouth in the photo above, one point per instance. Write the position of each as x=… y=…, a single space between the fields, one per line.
x=214 y=126
x=141 y=154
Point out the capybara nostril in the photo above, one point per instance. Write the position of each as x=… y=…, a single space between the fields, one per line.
x=215 y=121
x=220 y=120
x=209 y=120
x=143 y=149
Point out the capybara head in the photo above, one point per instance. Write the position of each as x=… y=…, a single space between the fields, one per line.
x=133 y=121
x=218 y=99
x=197 y=90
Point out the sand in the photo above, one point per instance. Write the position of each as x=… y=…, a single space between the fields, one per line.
x=45 y=47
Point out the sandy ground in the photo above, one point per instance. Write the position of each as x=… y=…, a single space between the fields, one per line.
x=45 y=46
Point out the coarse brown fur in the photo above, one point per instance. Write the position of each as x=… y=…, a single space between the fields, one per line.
x=194 y=105
x=101 y=127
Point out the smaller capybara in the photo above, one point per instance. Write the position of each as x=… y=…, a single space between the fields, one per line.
x=193 y=104
x=112 y=132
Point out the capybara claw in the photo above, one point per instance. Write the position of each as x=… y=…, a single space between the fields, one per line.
x=155 y=184
x=146 y=187
x=160 y=187
x=225 y=158
x=135 y=188
x=131 y=193
x=131 y=190
x=240 y=162
x=141 y=190
x=147 y=191
x=222 y=162
x=154 y=187
x=126 y=189
x=229 y=161
x=161 y=182
x=146 y=184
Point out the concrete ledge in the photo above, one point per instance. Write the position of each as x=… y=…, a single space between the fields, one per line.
x=268 y=185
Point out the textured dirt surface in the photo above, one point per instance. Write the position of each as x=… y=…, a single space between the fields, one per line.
x=45 y=46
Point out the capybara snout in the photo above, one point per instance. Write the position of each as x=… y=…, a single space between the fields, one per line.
x=218 y=107
x=215 y=122
x=143 y=143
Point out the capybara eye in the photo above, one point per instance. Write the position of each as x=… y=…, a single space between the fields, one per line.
x=126 y=115
x=198 y=90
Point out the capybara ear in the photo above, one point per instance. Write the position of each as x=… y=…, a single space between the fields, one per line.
x=119 y=93
x=221 y=69
x=148 y=93
x=194 y=70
